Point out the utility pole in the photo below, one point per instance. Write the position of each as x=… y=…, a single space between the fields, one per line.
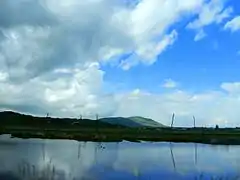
x=173 y=117
x=194 y=122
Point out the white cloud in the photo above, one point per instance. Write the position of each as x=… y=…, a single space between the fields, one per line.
x=149 y=51
x=169 y=83
x=57 y=34
x=51 y=51
x=200 y=35
x=232 y=88
x=61 y=94
x=3 y=76
x=211 y=12
x=233 y=25
x=209 y=108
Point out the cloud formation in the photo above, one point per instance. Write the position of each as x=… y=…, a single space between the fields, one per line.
x=51 y=52
x=211 y=12
x=209 y=108
x=169 y=83
x=233 y=25
x=45 y=35
x=62 y=93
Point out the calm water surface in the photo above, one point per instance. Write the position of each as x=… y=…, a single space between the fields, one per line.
x=68 y=160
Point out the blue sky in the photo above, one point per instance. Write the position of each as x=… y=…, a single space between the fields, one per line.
x=197 y=66
x=121 y=58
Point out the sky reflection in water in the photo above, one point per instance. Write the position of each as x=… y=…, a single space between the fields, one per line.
x=63 y=160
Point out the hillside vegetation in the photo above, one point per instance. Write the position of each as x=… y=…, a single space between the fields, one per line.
x=9 y=118
x=110 y=129
x=135 y=121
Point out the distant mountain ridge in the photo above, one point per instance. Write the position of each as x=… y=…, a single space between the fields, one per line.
x=135 y=121
x=146 y=121
x=14 y=118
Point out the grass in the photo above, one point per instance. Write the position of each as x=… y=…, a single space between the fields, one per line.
x=201 y=135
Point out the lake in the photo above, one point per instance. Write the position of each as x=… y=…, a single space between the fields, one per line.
x=71 y=160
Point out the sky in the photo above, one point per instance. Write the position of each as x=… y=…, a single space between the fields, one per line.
x=125 y=58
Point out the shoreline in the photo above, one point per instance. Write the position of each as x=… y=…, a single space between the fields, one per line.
x=204 y=136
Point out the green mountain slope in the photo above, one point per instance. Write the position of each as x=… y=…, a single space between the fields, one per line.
x=132 y=122
x=146 y=121
x=13 y=119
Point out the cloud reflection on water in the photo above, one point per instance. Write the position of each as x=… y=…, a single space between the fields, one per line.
x=89 y=160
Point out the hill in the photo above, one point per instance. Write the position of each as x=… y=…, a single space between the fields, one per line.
x=146 y=122
x=135 y=121
x=13 y=119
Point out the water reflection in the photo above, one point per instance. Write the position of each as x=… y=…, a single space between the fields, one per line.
x=64 y=159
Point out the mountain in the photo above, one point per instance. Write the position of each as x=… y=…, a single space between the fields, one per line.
x=146 y=121
x=13 y=119
x=135 y=121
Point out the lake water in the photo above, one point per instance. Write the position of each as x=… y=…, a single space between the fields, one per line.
x=68 y=160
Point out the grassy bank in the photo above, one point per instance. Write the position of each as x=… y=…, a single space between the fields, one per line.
x=25 y=126
x=201 y=135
